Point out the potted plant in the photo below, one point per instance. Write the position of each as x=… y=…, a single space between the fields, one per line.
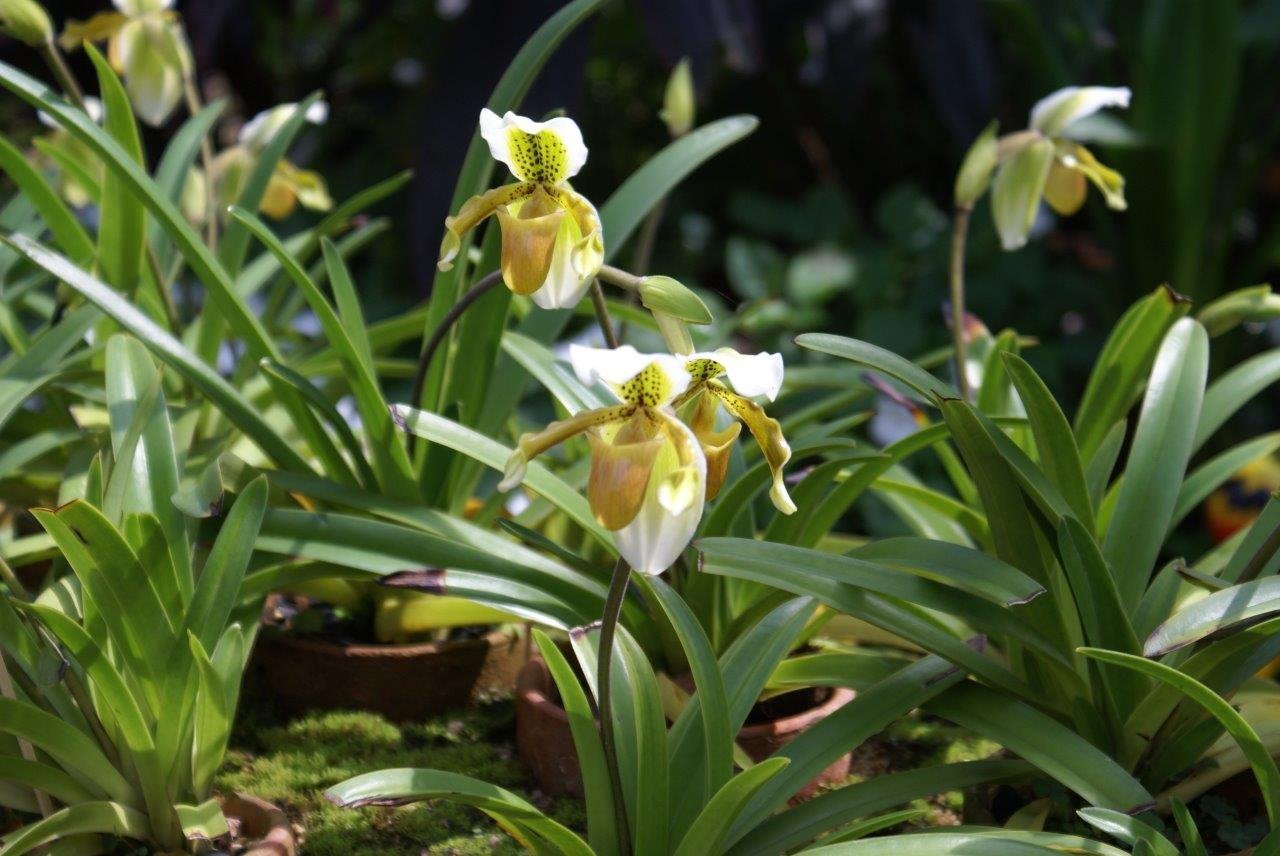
x=122 y=678
x=1093 y=663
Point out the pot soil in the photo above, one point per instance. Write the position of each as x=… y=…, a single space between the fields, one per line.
x=258 y=828
x=401 y=682
x=545 y=742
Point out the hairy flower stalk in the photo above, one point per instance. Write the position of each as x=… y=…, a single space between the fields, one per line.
x=552 y=245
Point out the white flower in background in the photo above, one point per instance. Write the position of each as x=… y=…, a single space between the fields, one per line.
x=648 y=474
x=258 y=131
x=147 y=47
x=1045 y=163
x=290 y=185
x=551 y=241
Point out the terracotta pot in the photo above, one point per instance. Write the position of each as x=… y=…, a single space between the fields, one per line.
x=263 y=828
x=545 y=743
x=401 y=682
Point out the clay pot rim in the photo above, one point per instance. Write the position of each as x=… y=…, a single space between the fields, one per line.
x=539 y=676
x=323 y=645
x=840 y=696
x=272 y=832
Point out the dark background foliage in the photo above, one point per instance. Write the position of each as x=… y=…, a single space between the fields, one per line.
x=835 y=214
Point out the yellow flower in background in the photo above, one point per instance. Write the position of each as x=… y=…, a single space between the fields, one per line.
x=551 y=240
x=290 y=185
x=749 y=376
x=648 y=474
x=1045 y=163
x=147 y=48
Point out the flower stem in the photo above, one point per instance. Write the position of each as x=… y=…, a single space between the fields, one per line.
x=58 y=65
x=619 y=277
x=477 y=290
x=604 y=666
x=959 y=236
x=602 y=314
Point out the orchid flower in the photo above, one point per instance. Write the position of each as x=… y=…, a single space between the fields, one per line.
x=147 y=47
x=648 y=475
x=551 y=240
x=749 y=376
x=290 y=185
x=1044 y=162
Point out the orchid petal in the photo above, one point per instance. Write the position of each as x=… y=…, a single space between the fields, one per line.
x=531 y=235
x=717 y=446
x=259 y=130
x=547 y=152
x=620 y=468
x=768 y=435
x=1017 y=190
x=1065 y=189
x=672 y=508
x=135 y=8
x=149 y=58
x=563 y=287
x=750 y=374
x=535 y=443
x=100 y=27
x=1052 y=114
x=651 y=380
x=473 y=212
x=1108 y=181
x=587 y=253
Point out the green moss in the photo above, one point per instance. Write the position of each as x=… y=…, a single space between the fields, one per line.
x=292 y=762
x=919 y=741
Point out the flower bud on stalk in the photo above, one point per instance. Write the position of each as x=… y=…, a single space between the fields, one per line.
x=26 y=21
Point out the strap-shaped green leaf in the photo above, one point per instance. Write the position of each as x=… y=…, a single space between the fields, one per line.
x=170 y=351
x=1056 y=749
x=1162 y=445
x=70 y=747
x=844 y=729
x=401 y=786
x=386 y=444
x=111 y=818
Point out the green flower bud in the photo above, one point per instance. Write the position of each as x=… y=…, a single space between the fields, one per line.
x=974 y=176
x=679 y=104
x=26 y=21
x=662 y=294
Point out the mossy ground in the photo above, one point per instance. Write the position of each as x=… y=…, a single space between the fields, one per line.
x=922 y=741
x=292 y=762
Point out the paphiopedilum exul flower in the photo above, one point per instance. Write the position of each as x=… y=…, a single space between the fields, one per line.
x=290 y=185
x=749 y=376
x=147 y=46
x=648 y=474
x=1045 y=162
x=551 y=240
